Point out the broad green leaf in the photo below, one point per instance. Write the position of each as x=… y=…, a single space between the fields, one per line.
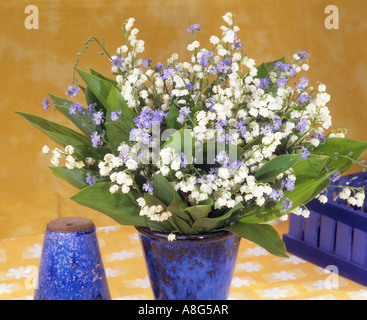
x=200 y=211
x=76 y=177
x=60 y=134
x=341 y=149
x=271 y=169
x=180 y=141
x=265 y=68
x=97 y=74
x=262 y=234
x=118 y=131
x=342 y=154
x=90 y=98
x=164 y=191
x=209 y=224
x=272 y=210
x=98 y=86
x=181 y=225
x=313 y=167
x=171 y=121
x=111 y=99
x=83 y=122
x=161 y=226
x=119 y=206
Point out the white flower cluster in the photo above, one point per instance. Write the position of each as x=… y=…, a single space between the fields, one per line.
x=154 y=213
x=346 y=194
x=56 y=154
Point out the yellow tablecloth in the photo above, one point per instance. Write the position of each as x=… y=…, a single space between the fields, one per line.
x=258 y=275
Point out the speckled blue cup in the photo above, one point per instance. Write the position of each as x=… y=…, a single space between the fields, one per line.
x=192 y=267
x=71 y=266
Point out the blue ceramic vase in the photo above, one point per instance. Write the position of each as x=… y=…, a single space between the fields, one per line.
x=71 y=266
x=192 y=267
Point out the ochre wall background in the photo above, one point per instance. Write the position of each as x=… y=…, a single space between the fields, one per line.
x=35 y=61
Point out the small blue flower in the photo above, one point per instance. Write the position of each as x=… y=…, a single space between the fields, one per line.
x=147 y=62
x=168 y=73
x=276 y=194
x=115 y=115
x=305 y=153
x=264 y=83
x=302 y=54
x=158 y=67
x=96 y=139
x=319 y=137
x=46 y=103
x=72 y=91
x=183 y=159
x=205 y=58
x=76 y=106
x=237 y=44
x=117 y=62
x=194 y=27
x=90 y=108
x=302 y=124
x=282 y=82
x=335 y=177
x=267 y=129
x=304 y=97
x=277 y=122
x=90 y=179
x=124 y=153
x=287 y=204
x=148 y=187
x=184 y=112
x=302 y=84
x=288 y=183
x=97 y=117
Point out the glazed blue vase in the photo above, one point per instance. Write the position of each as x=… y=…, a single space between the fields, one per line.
x=192 y=267
x=71 y=266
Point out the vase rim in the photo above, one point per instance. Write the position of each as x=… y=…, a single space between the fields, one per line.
x=201 y=237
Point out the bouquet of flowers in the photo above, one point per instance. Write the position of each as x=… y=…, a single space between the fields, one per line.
x=214 y=143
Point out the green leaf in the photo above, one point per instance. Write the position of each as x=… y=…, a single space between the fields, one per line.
x=341 y=149
x=85 y=124
x=209 y=224
x=265 y=68
x=100 y=88
x=181 y=141
x=272 y=210
x=119 y=206
x=62 y=135
x=111 y=99
x=161 y=226
x=312 y=168
x=263 y=235
x=271 y=169
x=200 y=211
x=164 y=191
x=97 y=74
x=171 y=121
x=342 y=154
x=116 y=134
x=76 y=177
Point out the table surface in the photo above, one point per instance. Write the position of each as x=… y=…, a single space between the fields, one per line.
x=258 y=274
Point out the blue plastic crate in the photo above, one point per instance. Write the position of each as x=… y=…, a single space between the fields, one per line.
x=334 y=233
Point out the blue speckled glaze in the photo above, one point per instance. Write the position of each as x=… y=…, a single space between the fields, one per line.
x=71 y=267
x=192 y=267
